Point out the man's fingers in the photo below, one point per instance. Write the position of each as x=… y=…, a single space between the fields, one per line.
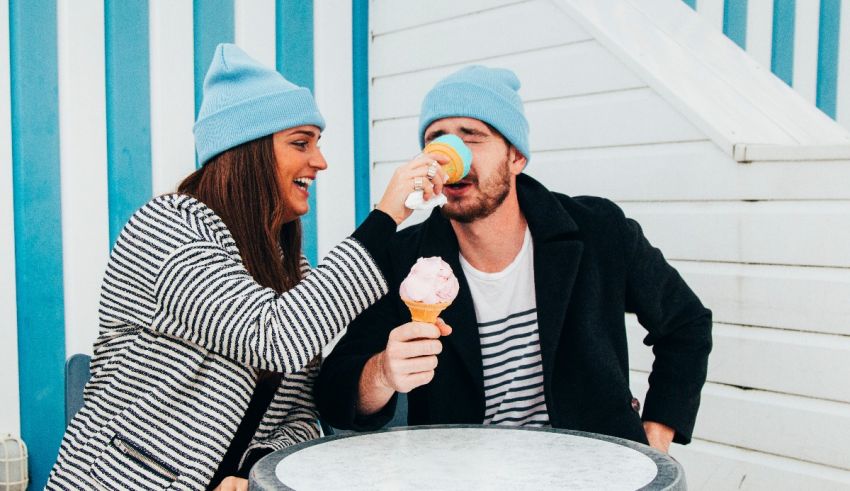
x=444 y=328
x=414 y=330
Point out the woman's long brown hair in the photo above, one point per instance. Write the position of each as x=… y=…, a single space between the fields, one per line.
x=241 y=186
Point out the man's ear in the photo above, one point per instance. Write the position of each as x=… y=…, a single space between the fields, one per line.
x=516 y=160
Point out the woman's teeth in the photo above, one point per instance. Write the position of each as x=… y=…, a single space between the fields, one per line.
x=303 y=182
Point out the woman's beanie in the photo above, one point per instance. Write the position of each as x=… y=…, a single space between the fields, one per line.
x=244 y=100
x=482 y=93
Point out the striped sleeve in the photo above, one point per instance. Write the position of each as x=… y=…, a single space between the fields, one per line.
x=205 y=296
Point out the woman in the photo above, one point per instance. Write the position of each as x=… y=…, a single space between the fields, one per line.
x=211 y=321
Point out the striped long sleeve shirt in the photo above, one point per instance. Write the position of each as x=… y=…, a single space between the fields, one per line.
x=184 y=330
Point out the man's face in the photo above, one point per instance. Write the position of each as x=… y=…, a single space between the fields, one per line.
x=492 y=175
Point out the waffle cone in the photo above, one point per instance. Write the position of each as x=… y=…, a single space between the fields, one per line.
x=425 y=312
x=454 y=168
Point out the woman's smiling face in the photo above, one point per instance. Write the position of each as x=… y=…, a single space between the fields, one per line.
x=298 y=160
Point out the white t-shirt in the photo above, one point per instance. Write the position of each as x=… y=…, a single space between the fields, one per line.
x=506 y=309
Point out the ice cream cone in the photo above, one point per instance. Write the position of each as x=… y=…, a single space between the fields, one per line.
x=425 y=312
x=460 y=157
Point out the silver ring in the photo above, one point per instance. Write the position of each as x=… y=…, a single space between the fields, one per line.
x=432 y=169
x=417 y=184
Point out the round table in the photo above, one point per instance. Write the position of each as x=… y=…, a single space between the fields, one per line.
x=468 y=457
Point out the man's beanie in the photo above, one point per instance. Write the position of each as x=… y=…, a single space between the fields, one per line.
x=485 y=94
x=244 y=100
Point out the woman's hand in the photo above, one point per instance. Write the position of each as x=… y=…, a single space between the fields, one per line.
x=407 y=179
x=233 y=483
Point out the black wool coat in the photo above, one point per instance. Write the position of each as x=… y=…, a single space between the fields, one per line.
x=591 y=265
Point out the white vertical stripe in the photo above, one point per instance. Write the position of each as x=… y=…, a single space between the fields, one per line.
x=712 y=12
x=172 y=93
x=760 y=30
x=806 y=25
x=254 y=29
x=843 y=85
x=333 y=81
x=10 y=420
x=82 y=153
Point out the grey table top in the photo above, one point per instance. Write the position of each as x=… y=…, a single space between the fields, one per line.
x=468 y=457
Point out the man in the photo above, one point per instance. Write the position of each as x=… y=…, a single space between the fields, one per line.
x=538 y=335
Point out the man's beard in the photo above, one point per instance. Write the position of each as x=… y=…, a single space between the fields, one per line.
x=491 y=195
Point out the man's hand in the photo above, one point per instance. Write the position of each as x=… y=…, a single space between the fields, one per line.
x=233 y=483
x=407 y=362
x=659 y=435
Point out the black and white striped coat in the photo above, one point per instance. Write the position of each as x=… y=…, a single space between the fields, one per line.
x=183 y=331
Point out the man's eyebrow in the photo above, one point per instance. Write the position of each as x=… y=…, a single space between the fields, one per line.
x=472 y=131
x=434 y=134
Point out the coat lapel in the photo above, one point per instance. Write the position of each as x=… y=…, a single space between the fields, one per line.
x=441 y=241
x=557 y=253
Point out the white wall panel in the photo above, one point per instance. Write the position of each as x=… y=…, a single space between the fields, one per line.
x=712 y=12
x=472 y=38
x=806 y=25
x=784 y=297
x=85 y=202
x=10 y=420
x=172 y=93
x=792 y=233
x=790 y=362
x=385 y=17
x=760 y=30
x=788 y=426
x=711 y=466
x=333 y=84
x=696 y=171
x=254 y=29
x=843 y=83
x=599 y=120
x=544 y=74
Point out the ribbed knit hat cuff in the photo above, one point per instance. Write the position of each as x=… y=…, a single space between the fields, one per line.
x=464 y=100
x=254 y=118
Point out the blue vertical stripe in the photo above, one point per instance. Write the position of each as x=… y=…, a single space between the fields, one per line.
x=128 y=117
x=735 y=21
x=294 y=59
x=782 y=56
x=360 y=65
x=828 y=32
x=213 y=24
x=691 y=3
x=38 y=230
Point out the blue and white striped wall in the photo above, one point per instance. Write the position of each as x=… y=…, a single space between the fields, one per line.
x=97 y=102
x=806 y=43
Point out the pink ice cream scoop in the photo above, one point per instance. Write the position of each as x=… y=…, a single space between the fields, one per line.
x=430 y=280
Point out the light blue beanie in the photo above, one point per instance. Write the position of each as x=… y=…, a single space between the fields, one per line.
x=244 y=100
x=482 y=93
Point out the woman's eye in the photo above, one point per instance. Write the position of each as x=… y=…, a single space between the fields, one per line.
x=300 y=143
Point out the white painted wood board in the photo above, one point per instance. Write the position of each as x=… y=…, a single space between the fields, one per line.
x=711 y=466
x=172 y=82
x=386 y=17
x=784 y=297
x=788 y=426
x=83 y=167
x=334 y=96
x=811 y=233
x=789 y=362
x=690 y=171
x=10 y=418
x=598 y=120
x=513 y=29
x=573 y=69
